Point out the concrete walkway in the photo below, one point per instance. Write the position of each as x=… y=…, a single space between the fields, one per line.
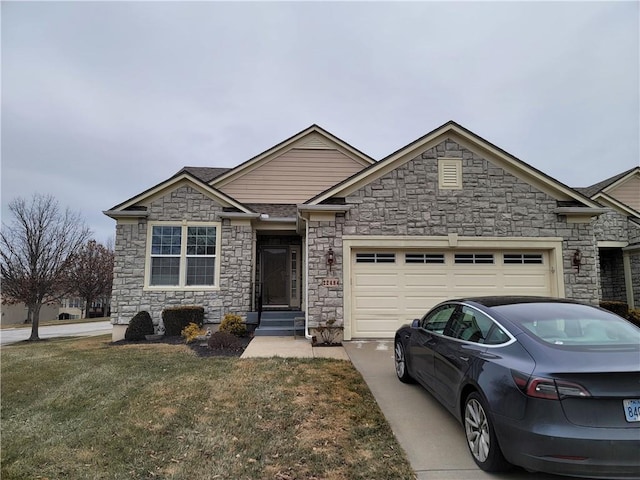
x=289 y=347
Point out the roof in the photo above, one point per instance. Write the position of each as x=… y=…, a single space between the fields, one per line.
x=469 y=140
x=495 y=301
x=281 y=147
x=204 y=174
x=597 y=187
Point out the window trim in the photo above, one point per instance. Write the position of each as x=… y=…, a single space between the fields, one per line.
x=182 y=281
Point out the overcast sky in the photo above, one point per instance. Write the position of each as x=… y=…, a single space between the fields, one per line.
x=101 y=101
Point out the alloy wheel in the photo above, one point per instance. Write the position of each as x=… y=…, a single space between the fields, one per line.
x=476 y=426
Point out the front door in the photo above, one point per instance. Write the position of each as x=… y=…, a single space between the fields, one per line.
x=275 y=278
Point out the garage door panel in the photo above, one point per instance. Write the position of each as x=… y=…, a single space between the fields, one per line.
x=427 y=279
x=386 y=295
x=376 y=280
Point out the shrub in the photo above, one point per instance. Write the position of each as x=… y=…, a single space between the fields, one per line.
x=139 y=326
x=233 y=324
x=619 y=308
x=175 y=319
x=191 y=332
x=224 y=340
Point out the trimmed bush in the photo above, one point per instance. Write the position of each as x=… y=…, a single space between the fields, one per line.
x=191 y=332
x=233 y=324
x=224 y=341
x=175 y=319
x=139 y=326
x=619 y=308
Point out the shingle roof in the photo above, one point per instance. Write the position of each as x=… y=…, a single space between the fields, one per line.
x=205 y=174
x=598 y=187
x=274 y=210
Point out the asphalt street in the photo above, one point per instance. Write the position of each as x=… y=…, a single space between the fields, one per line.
x=14 y=335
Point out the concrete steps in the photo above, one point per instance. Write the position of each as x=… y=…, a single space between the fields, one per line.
x=278 y=323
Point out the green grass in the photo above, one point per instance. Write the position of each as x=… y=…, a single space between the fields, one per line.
x=86 y=409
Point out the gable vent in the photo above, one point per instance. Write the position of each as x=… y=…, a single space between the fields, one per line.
x=316 y=143
x=450 y=173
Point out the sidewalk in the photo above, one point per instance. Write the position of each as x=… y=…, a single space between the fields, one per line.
x=292 y=348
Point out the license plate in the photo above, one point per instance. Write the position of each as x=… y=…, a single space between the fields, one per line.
x=632 y=410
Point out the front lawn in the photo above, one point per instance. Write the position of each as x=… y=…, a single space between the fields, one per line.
x=87 y=409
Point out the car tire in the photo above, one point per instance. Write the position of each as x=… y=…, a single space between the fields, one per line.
x=400 y=359
x=481 y=436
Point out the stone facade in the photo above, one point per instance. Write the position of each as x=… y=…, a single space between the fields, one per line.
x=183 y=203
x=407 y=201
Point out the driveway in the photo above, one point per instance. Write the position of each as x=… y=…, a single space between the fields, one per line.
x=432 y=439
x=14 y=335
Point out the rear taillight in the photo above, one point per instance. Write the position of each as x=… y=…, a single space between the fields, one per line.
x=548 y=388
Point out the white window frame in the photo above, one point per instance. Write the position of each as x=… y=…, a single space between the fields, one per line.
x=182 y=280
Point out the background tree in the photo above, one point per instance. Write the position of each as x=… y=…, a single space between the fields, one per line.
x=90 y=274
x=35 y=252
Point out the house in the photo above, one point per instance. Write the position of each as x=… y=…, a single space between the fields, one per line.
x=17 y=313
x=317 y=227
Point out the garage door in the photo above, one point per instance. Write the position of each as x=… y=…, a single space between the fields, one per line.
x=390 y=287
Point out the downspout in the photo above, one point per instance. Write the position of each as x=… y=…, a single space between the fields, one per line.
x=307 y=335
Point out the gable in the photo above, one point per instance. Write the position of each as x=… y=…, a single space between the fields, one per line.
x=138 y=206
x=627 y=191
x=469 y=141
x=293 y=177
x=293 y=171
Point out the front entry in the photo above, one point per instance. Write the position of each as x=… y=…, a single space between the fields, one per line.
x=280 y=276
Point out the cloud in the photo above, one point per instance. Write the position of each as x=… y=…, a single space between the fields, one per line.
x=102 y=100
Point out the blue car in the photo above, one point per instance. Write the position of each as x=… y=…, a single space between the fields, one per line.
x=550 y=385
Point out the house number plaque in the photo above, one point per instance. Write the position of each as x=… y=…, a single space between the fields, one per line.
x=330 y=282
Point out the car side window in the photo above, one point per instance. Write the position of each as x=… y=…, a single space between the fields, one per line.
x=471 y=325
x=436 y=321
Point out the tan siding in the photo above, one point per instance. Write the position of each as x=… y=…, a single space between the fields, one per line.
x=294 y=177
x=628 y=192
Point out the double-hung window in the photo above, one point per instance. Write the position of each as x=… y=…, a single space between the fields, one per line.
x=183 y=255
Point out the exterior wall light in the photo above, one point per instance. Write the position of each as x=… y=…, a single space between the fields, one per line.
x=576 y=260
x=330 y=258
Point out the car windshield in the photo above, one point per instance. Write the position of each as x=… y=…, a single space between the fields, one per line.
x=571 y=324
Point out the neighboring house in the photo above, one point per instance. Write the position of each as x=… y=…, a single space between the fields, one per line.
x=316 y=226
x=16 y=313
x=618 y=236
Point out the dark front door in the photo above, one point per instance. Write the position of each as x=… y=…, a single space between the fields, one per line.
x=275 y=276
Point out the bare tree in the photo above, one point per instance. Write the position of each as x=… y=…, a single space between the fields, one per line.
x=35 y=251
x=90 y=274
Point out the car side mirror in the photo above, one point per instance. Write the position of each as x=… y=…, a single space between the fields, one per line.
x=415 y=323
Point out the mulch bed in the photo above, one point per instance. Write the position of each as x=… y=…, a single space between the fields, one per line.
x=200 y=348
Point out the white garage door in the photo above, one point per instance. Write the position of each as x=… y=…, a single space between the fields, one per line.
x=391 y=287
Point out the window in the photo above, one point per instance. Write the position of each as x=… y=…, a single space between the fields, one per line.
x=375 y=257
x=522 y=258
x=474 y=258
x=183 y=256
x=437 y=320
x=471 y=325
x=424 y=258
x=450 y=173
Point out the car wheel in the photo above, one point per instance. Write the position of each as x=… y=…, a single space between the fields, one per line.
x=481 y=437
x=401 y=363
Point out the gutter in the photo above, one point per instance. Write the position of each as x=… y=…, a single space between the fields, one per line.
x=115 y=214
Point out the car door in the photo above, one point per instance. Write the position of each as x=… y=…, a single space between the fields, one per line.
x=459 y=348
x=424 y=341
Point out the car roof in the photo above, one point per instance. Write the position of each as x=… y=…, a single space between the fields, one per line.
x=498 y=300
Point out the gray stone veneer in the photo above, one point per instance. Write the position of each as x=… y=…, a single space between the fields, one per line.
x=407 y=201
x=184 y=203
